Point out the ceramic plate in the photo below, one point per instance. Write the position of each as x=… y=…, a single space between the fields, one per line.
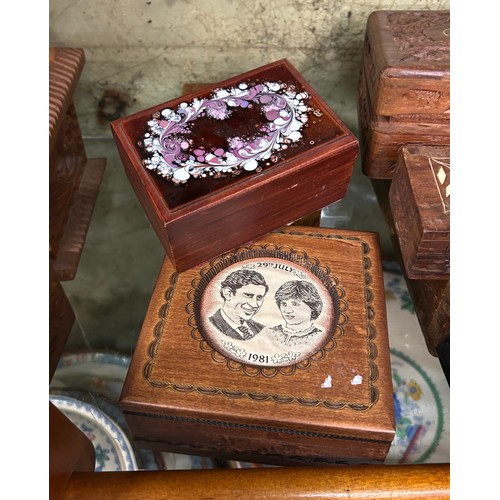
x=418 y=411
x=97 y=378
x=420 y=390
x=112 y=447
x=97 y=372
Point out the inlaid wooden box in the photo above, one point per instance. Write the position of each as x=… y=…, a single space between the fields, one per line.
x=306 y=379
x=419 y=198
x=219 y=167
x=383 y=136
x=407 y=62
x=430 y=297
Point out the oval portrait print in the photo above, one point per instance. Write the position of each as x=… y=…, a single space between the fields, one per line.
x=266 y=311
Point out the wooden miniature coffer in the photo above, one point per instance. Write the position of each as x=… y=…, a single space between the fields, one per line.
x=217 y=168
x=404 y=86
x=311 y=384
x=419 y=197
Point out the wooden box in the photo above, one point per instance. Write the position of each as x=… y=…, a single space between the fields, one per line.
x=74 y=179
x=419 y=197
x=406 y=57
x=383 y=136
x=219 y=167
x=306 y=379
x=430 y=297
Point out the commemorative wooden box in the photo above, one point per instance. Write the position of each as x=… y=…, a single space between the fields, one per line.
x=382 y=137
x=219 y=167
x=406 y=56
x=274 y=352
x=419 y=197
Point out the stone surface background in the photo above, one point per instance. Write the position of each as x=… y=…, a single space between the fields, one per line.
x=140 y=53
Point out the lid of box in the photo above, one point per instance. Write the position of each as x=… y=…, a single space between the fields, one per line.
x=247 y=127
x=289 y=332
x=407 y=61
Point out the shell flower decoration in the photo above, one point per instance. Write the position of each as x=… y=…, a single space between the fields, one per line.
x=169 y=146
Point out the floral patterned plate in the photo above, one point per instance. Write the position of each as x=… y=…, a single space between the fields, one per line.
x=112 y=447
x=421 y=392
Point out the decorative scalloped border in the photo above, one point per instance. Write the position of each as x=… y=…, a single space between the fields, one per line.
x=277 y=398
x=299 y=258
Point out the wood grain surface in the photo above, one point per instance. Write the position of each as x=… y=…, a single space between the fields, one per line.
x=184 y=393
x=419 y=197
x=61 y=320
x=406 y=56
x=74 y=180
x=431 y=298
x=381 y=137
x=70 y=450
x=375 y=482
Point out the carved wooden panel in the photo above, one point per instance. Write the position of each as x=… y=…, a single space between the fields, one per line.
x=406 y=56
x=381 y=137
x=67 y=153
x=73 y=179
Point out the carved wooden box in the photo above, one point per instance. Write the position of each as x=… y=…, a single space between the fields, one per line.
x=275 y=352
x=383 y=136
x=74 y=179
x=419 y=198
x=403 y=87
x=219 y=167
x=407 y=62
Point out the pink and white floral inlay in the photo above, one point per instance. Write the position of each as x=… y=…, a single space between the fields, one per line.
x=171 y=152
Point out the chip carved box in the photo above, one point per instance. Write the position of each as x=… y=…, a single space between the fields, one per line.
x=419 y=198
x=226 y=164
x=304 y=379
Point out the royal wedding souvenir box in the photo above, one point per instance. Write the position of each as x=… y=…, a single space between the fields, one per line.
x=218 y=167
x=419 y=197
x=404 y=85
x=304 y=379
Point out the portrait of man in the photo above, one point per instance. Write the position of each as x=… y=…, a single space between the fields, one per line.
x=243 y=292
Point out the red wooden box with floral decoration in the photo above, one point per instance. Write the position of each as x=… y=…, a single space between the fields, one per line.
x=221 y=166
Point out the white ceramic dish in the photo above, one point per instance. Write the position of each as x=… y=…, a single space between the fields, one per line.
x=421 y=392
x=96 y=371
x=112 y=447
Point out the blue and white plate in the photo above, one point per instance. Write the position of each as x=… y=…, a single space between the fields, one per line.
x=112 y=447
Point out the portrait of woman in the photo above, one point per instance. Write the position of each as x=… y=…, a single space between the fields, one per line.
x=300 y=304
